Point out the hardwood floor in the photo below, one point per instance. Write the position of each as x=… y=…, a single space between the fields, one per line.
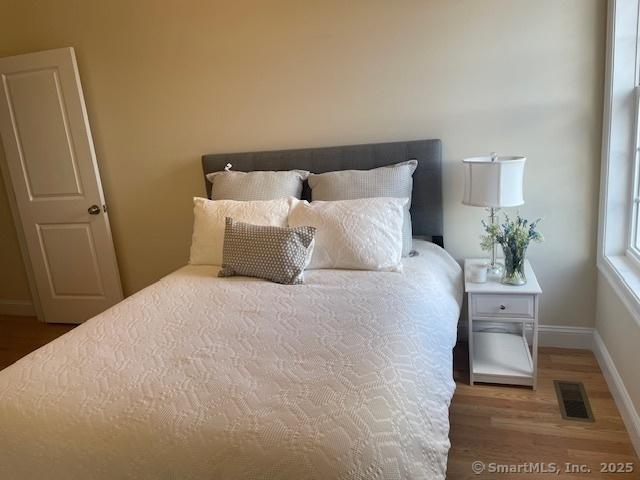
x=513 y=425
x=22 y=335
x=491 y=424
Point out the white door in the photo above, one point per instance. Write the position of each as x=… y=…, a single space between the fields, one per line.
x=52 y=172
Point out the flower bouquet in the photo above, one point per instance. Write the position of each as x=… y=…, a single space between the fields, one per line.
x=514 y=235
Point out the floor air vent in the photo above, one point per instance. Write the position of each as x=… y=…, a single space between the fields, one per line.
x=574 y=404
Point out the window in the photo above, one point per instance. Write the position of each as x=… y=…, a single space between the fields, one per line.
x=619 y=222
x=634 y=230
x=634 y=225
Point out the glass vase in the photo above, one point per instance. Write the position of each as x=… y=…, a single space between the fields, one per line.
x=513 y=273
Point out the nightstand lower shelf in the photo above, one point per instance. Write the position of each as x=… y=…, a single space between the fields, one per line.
x=501 y=358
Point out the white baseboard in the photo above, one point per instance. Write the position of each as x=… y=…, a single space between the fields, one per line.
x=17 y=307
x=548 y=335
x=623 y=401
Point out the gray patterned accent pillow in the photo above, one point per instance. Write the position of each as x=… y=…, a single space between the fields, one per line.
x=278 y=254
x=390 y=181
x=243 y=186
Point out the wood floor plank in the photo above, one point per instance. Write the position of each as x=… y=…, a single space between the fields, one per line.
x=20 y=336
x=526 y=425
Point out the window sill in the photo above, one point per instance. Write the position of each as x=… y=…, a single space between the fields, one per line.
x=623 y=275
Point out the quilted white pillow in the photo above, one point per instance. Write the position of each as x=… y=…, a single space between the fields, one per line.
x=209 y=217
x=390 y=181
x=361 y=234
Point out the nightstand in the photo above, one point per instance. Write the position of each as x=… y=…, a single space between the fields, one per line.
x=498 y=319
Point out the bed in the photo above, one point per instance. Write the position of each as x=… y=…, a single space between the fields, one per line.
x=348 y=376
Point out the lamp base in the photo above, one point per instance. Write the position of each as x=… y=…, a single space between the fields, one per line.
x=494 y=269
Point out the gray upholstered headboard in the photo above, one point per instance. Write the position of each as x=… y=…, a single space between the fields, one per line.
x=426 y=203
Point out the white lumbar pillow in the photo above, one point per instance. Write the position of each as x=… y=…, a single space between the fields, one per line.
x=209 y=223
x=361 y=234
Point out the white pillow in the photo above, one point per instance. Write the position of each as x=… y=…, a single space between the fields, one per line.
x=209 y=223
x=361 y=234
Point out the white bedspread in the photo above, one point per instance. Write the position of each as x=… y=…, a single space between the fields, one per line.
x=346 y=377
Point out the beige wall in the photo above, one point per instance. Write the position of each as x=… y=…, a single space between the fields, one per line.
x=621 y=335
x=13 y=278
x=168 y=81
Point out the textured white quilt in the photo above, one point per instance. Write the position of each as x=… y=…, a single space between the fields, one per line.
x=346 y=377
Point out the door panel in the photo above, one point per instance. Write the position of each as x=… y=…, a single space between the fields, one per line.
x=52 y=171
x=70 y=260
x=42 y=133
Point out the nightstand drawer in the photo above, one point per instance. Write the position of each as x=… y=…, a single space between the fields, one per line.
x=502 y=306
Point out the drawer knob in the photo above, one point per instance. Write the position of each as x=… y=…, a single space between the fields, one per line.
x=502 y=307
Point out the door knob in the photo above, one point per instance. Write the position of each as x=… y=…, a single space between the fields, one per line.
x=93 y=210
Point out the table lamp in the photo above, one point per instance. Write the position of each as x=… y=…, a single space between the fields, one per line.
x=493 y=182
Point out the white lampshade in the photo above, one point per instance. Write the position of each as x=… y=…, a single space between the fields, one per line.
x=493 y=182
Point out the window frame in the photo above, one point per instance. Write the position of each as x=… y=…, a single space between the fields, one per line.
x=633 y=248
x=618 y=255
